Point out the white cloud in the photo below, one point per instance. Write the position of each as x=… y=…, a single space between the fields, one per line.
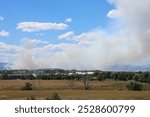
x=38 y=26
x=86 y=36
x=68 y=20
x=40 y=34
x=37 y=41
x=67 y=35
x=8 y=52
x=82 y=39
x=113 y=13
x=1 y=18
x=30 y=43
x=4 y=33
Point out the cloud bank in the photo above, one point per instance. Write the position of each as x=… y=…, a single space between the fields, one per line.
x=67 y=35
x=125 y=41
x=38 y=26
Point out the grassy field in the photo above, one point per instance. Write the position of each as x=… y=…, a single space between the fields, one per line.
x=10 y=89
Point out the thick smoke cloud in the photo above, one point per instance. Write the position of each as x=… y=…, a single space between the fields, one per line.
x=134 y=17
x=126 y=42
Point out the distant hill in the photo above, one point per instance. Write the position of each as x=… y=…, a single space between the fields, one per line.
x=117 y=67
x=129 y=67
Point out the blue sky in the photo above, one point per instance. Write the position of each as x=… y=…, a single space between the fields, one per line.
x=74 y=34
x=86 y=15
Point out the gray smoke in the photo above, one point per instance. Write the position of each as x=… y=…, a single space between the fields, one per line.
x=126 y=42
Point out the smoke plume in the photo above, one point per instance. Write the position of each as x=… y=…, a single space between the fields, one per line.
x=126 y=40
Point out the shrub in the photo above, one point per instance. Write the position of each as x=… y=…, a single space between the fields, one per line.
x=134 y=86
x=27 y=86
x=86 y=82
x=31 y=98
x=55 y=96
x=71 y=84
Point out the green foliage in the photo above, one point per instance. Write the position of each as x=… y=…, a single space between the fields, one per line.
x=102 y=77
x=27 y=86
x=114 y=76
x=3 y=76
x=31 y=98
x=142 y=77
x=146 y=76
x=55 y=96
x=118 y=76
x=59 y=74
x=138 y=77
x=134 y=86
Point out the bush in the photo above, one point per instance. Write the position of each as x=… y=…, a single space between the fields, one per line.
x=71 y=84
x=55 y=96
x=31 y=98
x=134 y=86
x=27 y=86
x=86 y=82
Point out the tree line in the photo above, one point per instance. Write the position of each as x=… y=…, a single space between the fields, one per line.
x=143 y=77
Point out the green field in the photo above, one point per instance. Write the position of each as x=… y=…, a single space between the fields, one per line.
x=10 y=89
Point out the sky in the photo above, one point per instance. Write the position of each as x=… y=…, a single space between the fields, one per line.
x=74 y=34
x=85 y=15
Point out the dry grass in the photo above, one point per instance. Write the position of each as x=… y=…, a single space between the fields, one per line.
x=9 y=89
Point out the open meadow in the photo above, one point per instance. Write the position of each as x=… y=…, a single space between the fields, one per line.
x=10 y=89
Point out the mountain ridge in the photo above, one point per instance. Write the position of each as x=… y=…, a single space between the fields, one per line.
x=116 y=67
